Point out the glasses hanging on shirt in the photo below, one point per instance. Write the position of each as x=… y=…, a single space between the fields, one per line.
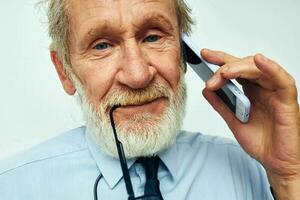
x=124 y=167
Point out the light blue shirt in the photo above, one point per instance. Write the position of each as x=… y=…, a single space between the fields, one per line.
x=195 y=167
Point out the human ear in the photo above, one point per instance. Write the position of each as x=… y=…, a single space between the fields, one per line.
x=64 y=78
x=183 y=56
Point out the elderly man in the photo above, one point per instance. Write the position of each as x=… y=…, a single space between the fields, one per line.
x=128 y=53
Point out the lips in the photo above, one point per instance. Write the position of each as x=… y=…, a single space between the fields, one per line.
x=139 y=104
x=155 y=106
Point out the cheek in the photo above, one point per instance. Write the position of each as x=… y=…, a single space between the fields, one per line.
x=168 y=66
x=97 y=78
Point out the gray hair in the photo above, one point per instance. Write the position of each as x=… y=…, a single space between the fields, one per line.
x=59 y=29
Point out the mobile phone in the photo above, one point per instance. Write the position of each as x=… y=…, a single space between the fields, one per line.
x=230 y=94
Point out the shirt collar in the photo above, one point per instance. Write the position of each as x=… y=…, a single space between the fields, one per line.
x=169 y=158
x=110 y=167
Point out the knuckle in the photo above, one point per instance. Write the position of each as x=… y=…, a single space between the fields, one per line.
x=292 y=81
x=278 y=68
x=227 y=67
x=249 y=58
x=294 y=93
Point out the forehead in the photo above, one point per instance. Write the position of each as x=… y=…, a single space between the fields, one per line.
x=119 y=12
x=77 y=5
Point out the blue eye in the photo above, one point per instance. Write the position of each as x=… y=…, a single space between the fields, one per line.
x=152 y=38
x=101 y=46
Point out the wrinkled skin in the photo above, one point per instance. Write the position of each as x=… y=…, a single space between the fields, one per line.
x=272 y=135
x=132 y=43
x=123 y=44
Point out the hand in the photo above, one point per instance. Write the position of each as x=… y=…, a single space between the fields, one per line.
x=272 y=135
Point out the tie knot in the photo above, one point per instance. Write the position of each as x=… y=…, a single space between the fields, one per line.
x=150 y=165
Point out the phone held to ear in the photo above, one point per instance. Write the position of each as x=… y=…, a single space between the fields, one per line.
x=230 y=94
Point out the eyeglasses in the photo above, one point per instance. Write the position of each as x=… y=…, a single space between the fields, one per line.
x=124 y=167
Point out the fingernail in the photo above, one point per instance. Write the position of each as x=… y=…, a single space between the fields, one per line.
x=205 y=50
x=209 y=50
x=212 y=81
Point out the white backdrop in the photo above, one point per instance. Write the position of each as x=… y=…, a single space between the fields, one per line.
x=34 y=107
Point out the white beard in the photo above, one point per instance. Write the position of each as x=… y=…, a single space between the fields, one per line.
x=144 y=134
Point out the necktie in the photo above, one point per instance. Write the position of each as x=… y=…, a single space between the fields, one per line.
x=150 y=165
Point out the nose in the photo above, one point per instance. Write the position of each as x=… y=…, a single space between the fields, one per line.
x=136 y=70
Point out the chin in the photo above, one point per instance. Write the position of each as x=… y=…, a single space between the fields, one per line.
x=141 y=133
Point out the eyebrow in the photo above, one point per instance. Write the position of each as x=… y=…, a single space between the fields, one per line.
x=107 y=28
x=154 y=18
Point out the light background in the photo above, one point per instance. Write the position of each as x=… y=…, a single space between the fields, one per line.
x=34 y=107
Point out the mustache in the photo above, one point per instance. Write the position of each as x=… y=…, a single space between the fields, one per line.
x=125 y=96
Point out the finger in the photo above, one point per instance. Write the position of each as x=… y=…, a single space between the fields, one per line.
x=258 y=96
x=281 y=79
x=216 y=81
x=217 y=57
x=220 y=107
x=279 y=76
x=246 y=70
x=242 y=69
